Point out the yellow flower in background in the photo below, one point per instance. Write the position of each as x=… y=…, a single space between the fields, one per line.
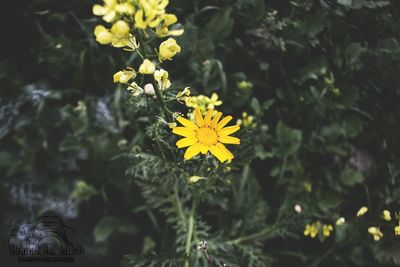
x=123 y=76
x=397 y=230
x=168 y=49
x=147 y=67
x=362 y=211
x=340 y=221
x=195 y=179
x=161 y=77
x=375 y=232
x=167 y=20
x=327 y=229
x=182 y=95
x=207 y=134
x=312 y=229
x=203 y=102
x=386 y=215
x=112 y=9
x=246 y=120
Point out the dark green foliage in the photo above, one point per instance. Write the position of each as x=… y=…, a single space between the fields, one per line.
x=325 y=94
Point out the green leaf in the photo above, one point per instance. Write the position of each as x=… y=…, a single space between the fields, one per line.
x=110 y=224
x=220 y=25
x=351 y=177
x=289 y=140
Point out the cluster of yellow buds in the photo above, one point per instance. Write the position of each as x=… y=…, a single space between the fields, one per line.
x=141 y=19
x=203 y=102
x=375 y=232
x=113 y=9
x=247 y=121
x=314 y=228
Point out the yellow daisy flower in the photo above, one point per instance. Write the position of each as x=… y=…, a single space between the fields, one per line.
x=207 y=134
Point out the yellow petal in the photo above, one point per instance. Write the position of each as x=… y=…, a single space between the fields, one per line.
x=207 y=117
x=218 y=153
x=204 y=149
x=187 y=123
x=229 y=155
x=228 y=130
x=183 y=131
x=176 y=32
x=110 y=16
x=99 y=10
x=188 y=141
x=192 y=151
x=215 y=120
x=229 y=140
x=223 y=122
x=199 y=118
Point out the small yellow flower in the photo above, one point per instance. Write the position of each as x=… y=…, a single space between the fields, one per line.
x=386 y=215
x=123 y=76
x=107 y=11
x=167 y=20
x=340 y=221
x=246 y=120
x=362 y=211
x=161 y=77
x=327 y=229
x=312 y=229
x=182 y=95
x=207 y=134
x=308 y=186
x=118 y=36
x=195 y=179
x=397 y=230
x=147 y=67
x=168 y=49
x=375 y=232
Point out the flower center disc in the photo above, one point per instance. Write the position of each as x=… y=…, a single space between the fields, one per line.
x=207 y=136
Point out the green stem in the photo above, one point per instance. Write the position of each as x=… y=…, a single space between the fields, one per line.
x=190 y=232
x=282 y=171
x=178 y=206
x=257 y=235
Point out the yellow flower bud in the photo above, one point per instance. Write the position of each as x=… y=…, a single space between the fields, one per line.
x=147 y=67
x=386 y=215
x=362 y=211
x=375 y=232
x=340 y=221
x=168 y=49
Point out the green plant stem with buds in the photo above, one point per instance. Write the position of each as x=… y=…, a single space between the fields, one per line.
x=156 y=89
